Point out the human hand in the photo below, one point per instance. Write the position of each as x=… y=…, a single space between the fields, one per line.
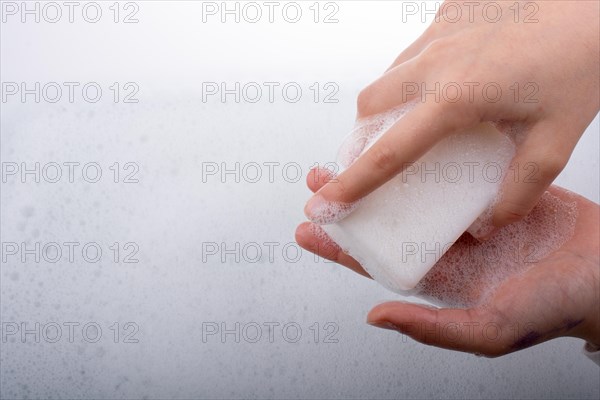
x=547 y=72
x=523 y=305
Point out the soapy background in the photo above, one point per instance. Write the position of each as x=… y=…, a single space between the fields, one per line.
x=168 y=215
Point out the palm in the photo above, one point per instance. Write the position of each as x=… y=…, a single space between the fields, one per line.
x=505 y=304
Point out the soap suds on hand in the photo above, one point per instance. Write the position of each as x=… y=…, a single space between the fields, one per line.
x=470 y=271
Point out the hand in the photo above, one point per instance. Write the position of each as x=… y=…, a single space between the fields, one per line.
x=558 y=295
x=547 y=72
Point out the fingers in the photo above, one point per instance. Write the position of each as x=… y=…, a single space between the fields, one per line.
x=318 y=177
x=539 y=159
x=405 y=142
x=312 y=238
x=391 y=89
x=470 y=330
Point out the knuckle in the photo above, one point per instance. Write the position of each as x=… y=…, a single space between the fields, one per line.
x=434 y=47
x=340 y=190
x=506 y=214
x=456 y=115
x=365 y=102
x=382 y=158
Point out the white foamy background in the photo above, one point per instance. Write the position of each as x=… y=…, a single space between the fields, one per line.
x=171 y=292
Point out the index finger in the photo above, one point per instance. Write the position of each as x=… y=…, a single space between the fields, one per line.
x=404 y=143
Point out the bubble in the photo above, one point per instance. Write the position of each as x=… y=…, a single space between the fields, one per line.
x=470 y=271
x=325 y=212
x=366 y=132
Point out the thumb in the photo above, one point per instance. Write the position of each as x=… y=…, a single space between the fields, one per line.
x=468 y=330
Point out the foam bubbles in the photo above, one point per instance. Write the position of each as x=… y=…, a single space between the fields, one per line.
x=326 y=212
x=470 y=271
x=366 y=132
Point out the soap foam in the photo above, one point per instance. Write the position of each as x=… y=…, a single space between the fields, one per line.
x=326 y=246
x=392 y=232
x=325 y=212
x=470 y=270
x=366 y=132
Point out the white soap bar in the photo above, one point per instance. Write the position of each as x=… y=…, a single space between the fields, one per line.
x=402 y=229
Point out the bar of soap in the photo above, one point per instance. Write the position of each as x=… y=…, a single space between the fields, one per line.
x=403 y=228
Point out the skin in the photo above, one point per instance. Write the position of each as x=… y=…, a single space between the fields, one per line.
x=557 y=55
x=557 y=296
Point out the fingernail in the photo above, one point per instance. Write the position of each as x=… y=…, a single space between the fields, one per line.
x=481 y=231
x=383 y=325
x=323 y=212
